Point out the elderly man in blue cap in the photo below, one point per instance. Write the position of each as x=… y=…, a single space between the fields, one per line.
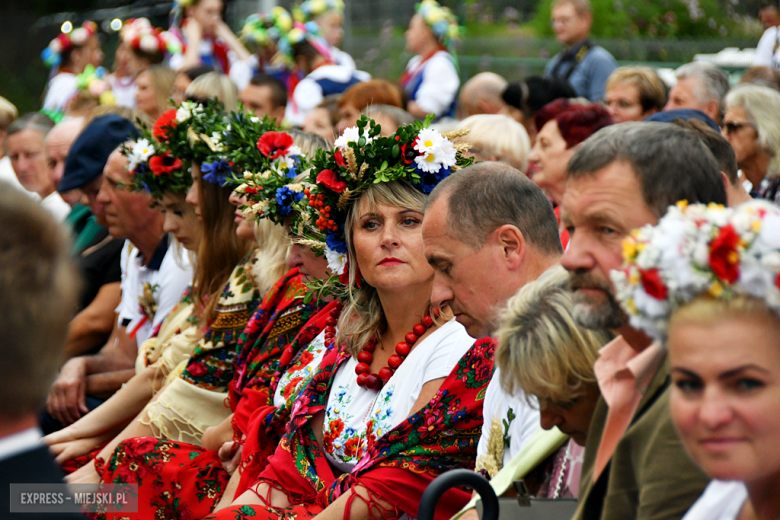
x=133 y=238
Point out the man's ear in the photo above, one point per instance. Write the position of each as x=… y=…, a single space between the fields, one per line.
x=513 y=246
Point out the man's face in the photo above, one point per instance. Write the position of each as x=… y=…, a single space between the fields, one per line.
x=89 y=197
x=599 y=211
x=682 y=95
x=56 y=148
x=126 y=212
x=473 y=282
x=570 y=26
x=259 y=100
x=769 y=17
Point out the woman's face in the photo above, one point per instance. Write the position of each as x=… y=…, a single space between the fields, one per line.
x=572 y=417
x=122 y=58
x=193 y=195
x=136 y=64
x=331 y=25
x=180 y=85
x=208 y=14
x=725 y=395
x=418 y=35
x=180 y=220
x=318 y=122
x=348 y=116
x=740 y=133
x=549 y=157
x=389 y=247
x=245 y=228
x=310 y=265
x=145 y=96
x=25 y=150
x=95 y=55
x=624 y=104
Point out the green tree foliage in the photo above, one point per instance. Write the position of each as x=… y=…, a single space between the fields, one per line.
x=655 y=19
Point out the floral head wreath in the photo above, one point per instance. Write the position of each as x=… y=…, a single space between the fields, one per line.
x=311 y=9
x=699 y=250
x=155 y=168
x=52 y=55
x=269 y=163
x=300 y=32
x=139 y=34
x=195 y=133
x=264 y=29
x=441 y=20
x=419 y=155
x=94 y=81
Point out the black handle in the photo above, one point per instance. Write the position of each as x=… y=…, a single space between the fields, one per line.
x=459 y=477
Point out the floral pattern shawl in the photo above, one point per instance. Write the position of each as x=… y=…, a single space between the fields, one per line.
x=398 y=466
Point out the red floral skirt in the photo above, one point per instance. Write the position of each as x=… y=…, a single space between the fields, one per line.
x=176 y=480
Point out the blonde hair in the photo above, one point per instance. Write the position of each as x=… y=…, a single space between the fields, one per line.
x=131 y=114
x=162 y=82
x=499 y=136
x=8 y=112
x=541 y=348
x=363 y=316
x=309 y=143
x=761 y=104
x=652 y=93
x=273 y=248
x=706 y=310
x=214 y=85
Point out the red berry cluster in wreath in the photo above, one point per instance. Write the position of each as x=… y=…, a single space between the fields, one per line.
x=324 y=222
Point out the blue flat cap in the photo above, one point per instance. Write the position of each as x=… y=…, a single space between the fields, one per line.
x=88 y=155
x=669 y=116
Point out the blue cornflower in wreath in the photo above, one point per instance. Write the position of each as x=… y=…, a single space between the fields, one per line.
x=286 y=196
x=336 y=240
x=217 y=172
x=429 y=180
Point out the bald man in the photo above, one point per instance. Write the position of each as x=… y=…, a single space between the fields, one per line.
x=56 y=147
x=482 y=95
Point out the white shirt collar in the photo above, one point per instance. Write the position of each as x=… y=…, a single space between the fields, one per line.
x=20 y=442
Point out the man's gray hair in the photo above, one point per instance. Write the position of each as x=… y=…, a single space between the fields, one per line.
x=714 y=83
x=671 y=164
x=487 y=195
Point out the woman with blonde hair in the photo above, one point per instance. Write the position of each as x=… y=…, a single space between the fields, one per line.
x=634 y=93
x=213 y=85
x=364 y=434
x=703 y=282
x=750 y=125
x=495 y=137
x=154 y=88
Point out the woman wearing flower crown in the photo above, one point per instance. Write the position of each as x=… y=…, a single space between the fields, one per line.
x=195 y=475
x=209 y=313
x=305 y=49
x=706 y=282
x=205 y=38
x=431 y=79
x=140 y=46
x=365 y=434
x=68 y=55
x=261 y=33
x=329 y=16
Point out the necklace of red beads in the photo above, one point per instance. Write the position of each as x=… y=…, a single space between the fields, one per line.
x=366 y=355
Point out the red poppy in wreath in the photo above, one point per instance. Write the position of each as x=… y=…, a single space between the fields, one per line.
x=274 y=144
x=653 y=284
x=165 y=163
x=724 y=257
x=330 y=180
x=163 y=125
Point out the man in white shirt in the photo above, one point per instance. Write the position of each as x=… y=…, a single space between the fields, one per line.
x=37 y=295
x=153 y=279
x=502 y=235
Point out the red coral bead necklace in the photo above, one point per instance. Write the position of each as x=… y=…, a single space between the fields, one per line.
x=365 y=357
